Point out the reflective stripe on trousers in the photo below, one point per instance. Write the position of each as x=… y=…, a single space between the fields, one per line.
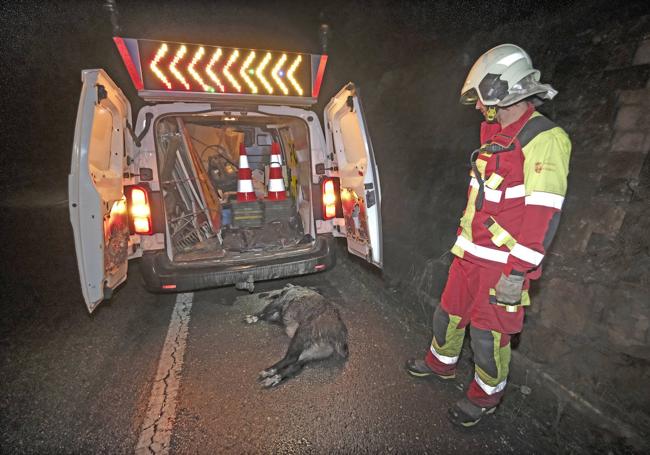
x=443 y=358
x=482 y=252
x=487 y=388
x=519 y=251
x=491 y=366
x=526 y=254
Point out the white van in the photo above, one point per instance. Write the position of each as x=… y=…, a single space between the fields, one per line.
x=167 y=188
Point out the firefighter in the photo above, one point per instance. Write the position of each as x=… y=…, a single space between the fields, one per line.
x=518 y=181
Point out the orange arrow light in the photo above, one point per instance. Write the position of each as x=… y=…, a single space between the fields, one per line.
x=162 y=50
x=292 y=69
x=208 y=69
x=172 y=67
x=275 y=74
x=226 y=71
x=198 y=56
x=260 y=76
x=242 y=72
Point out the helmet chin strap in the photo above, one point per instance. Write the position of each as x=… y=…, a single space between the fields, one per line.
x=491 y=114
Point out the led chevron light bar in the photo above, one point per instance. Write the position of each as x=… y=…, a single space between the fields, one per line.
x=164 y=69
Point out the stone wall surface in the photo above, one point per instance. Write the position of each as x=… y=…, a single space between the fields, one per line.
x=589 y=326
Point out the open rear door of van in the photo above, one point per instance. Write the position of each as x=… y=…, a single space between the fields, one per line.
x=347 y=134
x=96 y=198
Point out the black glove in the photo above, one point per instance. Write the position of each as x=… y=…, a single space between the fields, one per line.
x=509 y=289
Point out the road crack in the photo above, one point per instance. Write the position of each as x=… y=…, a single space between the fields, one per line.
x=155 y=435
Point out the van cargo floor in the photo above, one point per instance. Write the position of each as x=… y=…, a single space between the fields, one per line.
x=273 y=237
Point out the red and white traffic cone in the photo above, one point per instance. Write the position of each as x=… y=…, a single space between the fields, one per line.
x=277 y=192
x=276 y=157
x=245 y=190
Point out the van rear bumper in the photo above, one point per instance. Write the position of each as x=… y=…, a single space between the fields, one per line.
x=162 y=275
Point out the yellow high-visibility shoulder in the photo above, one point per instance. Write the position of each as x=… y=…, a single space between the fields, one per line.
x=546 y=165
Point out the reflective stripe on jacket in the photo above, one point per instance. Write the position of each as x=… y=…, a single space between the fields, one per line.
x=524 y=184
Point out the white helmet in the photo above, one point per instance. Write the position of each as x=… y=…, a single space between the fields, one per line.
x=503 y=76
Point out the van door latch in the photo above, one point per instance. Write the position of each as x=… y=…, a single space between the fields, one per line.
x=370 y=199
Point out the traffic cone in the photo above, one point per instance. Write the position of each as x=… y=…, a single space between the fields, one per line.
x=276 y=157
x=245 y=192
x=276 y=188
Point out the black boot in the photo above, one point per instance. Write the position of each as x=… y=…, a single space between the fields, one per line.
x=419 y=369
x=466 y=414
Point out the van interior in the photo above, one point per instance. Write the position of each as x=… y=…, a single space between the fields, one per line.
x=198 y=162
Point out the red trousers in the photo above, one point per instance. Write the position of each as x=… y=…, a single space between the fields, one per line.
x=467 y=294
x=466 y=303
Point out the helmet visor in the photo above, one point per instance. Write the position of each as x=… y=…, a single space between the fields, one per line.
x=528 y=87
x=469 y=97
x=491 y=90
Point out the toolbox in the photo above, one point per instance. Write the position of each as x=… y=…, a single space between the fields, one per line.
x=247 y=214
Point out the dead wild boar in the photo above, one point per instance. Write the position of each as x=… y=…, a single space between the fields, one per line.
x=313 y=324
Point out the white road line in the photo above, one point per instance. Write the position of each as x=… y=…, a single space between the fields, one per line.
x=156 y=432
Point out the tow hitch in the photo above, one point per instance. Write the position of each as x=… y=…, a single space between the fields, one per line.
x=248 y=285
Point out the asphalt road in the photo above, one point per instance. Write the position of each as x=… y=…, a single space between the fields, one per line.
x=73 y=382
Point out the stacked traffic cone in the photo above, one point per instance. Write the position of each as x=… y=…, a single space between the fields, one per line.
x=276 y=188
x=245 y=192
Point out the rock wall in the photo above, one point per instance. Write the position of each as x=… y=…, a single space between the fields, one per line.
x=589 y=325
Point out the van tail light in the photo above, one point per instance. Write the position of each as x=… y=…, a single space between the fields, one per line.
x=330 y=198
x=140 y=221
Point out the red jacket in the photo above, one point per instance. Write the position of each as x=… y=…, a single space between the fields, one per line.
x=523 y=171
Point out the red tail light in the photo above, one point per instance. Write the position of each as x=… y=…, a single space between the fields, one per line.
x=139 y=210
x=329 y=199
